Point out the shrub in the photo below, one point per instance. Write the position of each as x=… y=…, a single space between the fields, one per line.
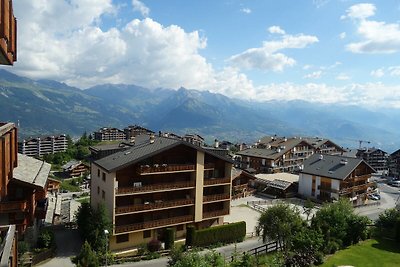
x=154 y=245
x=332 y=247
x=190 y=231
x=229 y=233
x=22 y=247
x=169 y=238
x=46 y=239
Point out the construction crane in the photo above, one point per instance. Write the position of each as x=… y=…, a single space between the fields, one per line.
x=363 y=141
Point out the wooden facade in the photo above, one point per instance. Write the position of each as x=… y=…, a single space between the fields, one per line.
x=8 y=33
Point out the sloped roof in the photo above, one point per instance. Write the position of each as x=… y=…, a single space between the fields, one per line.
x=332 y=166
x=32 y=171
x=143 y=150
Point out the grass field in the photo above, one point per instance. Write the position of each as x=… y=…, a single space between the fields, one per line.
x=382 y=253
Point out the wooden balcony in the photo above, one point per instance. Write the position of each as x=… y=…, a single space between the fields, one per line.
x=327 y=189
x=13 y=206
x=154 y=188
x=152 y=224
x=218 y=197
x=217 y=213
x=355 y=188
x=358 y=178
x=209 y=166
x=165 y=168
x=216 y=181
x=153 y=206
x=8 y=33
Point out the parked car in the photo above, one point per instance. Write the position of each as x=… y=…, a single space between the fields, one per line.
x=394 y=183
x=373 y=197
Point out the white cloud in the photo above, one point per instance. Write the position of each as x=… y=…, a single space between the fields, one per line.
x=320 y=3
x=142 y=8
x=307 y=67
x=342 y=77
x=276 y=29
x=342 y=35
x=377 y=36
x=314 y=75
x=378 y=73
x=246 y=10
x=267 y=57
x=394 y=70
x=360 y=11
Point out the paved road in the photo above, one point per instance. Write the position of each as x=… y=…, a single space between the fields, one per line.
x=68 y=244
x=389 y=196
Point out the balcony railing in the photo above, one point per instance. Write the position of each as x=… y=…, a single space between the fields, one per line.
x=327 y=189
x=153 y=206
x=152 y=224
x=216 y=213
x=358 y=178
x=216 y=197
x=156 y=168
x=12 y=206
x=154 y=187
x=356 y=188
x=213 y=181
x=209 y=166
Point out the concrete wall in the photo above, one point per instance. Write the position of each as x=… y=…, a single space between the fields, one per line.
x=198 y=211
x=305 y=184
x=98 y=186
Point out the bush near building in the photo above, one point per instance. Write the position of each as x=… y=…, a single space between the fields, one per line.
x=228 y=233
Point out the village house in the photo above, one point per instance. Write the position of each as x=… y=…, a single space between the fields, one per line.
x=330 y=177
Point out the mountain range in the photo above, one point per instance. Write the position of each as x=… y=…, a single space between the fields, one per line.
x=45 y=107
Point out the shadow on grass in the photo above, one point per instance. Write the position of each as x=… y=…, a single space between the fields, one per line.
x=387 y=245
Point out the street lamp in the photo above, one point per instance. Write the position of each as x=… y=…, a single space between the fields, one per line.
x=106 y=234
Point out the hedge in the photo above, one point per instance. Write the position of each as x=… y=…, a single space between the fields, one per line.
x=190 y=230
x=228 y=233
x=169 y=238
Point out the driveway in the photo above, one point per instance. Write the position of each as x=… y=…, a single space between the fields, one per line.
x=68 y=245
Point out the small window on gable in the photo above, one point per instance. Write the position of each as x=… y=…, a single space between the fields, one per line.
x=104 y=176
x=98 y=172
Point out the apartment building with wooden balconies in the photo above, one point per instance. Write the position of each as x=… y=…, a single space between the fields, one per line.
x=109 y=134
x=160 y=182
x=376 y=158
x=23 y=183
x=8 y=33
x=330 y=177
x=274 y=154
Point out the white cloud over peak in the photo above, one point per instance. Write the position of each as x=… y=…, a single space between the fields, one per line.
x=246 y=10
x=377 y=36
x=342 y=35
x=268 y=56
x=141 y=7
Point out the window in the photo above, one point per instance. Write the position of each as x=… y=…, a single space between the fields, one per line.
x=103 y=194
x=98 y=172
x=98 y=190
x=104 y=176
x=122 y=238
x=147 y=234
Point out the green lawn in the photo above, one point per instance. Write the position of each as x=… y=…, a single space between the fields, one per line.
x=382 y=253
x=70 y=186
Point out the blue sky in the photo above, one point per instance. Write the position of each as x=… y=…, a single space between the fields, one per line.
x=332 y=51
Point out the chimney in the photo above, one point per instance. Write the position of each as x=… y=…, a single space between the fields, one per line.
x=132 y=140
x=152 y=138
x=216 y=143
x=321 y=157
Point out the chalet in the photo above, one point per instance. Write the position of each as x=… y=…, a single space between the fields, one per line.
x=75 y=168
x=330 y=177
x=376 y=158
x=242 y=183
